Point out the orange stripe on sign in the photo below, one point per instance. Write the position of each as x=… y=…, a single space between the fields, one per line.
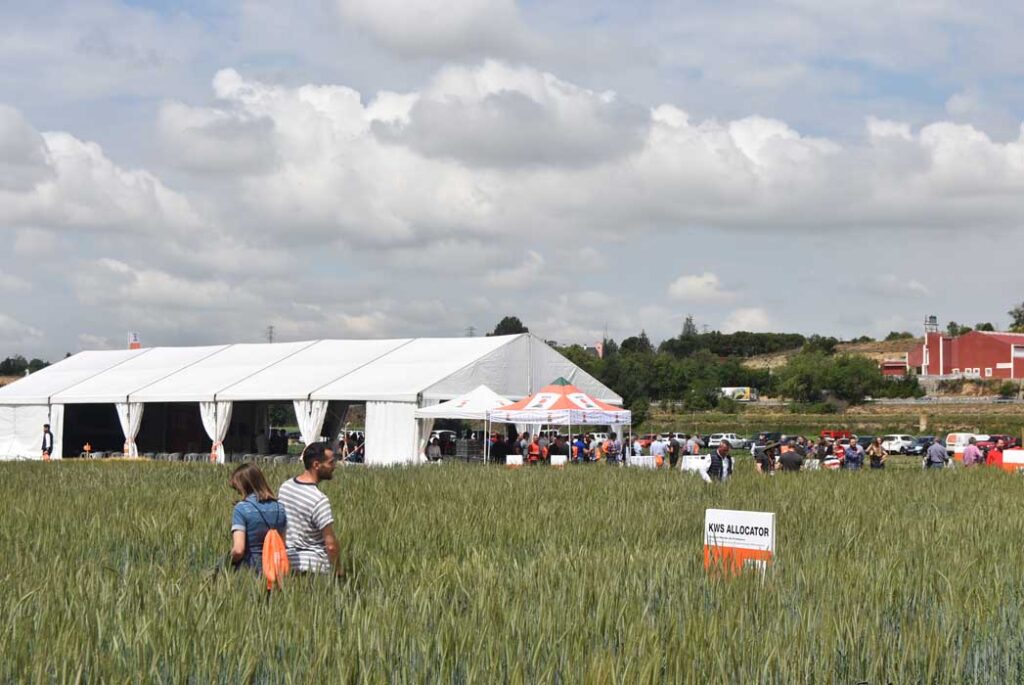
x=732 y=559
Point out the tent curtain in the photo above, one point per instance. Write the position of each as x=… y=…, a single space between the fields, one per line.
x=310 y=414
x=21 y=431
x=57 y=428
x=391 y=433
x=216 y=418
x=130 y=416
x=334 y=422
x=532 y=428
x=425 y=428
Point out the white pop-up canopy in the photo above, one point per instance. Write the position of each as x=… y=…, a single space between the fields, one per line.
x=472 y=406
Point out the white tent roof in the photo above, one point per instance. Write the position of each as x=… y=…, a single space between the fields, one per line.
x=118 y=382
x=39 y=387
x=297 y=376
x=397 y=370
x=401 y=375
x=201 y=381
x=473 y=405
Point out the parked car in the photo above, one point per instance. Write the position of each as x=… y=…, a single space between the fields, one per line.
x=734 y=440
x=865 y=440
x=921 y=445
x=898 y=444
x=1009 y=442
x=836 y=434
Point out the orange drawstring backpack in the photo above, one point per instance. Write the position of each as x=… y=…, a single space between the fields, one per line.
x=275 y=556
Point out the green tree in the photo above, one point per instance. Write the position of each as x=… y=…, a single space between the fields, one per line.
x=510 y=325
x=984 y=327
x=954 y=329
x=818 y=343
x=689 y=327
x=899 y=335
x=852 y=377
x=1017 y=318
x=803 y=378
x=637 y=344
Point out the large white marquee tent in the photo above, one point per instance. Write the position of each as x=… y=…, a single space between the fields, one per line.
x=321 y=378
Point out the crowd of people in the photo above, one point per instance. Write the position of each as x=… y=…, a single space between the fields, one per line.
x=302 y=514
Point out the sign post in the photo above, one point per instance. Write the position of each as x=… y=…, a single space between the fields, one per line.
x=737 y=540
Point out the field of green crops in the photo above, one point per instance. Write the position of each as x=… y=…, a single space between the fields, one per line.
x=477 y=574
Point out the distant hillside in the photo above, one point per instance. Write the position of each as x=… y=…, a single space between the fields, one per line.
x=4 y=380
x=879 y=351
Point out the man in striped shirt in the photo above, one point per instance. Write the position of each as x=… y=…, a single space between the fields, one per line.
x=312 y=546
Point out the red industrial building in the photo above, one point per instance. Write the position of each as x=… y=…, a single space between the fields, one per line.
x=977 y=354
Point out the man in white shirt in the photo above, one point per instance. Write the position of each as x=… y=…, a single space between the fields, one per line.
x=658 y=449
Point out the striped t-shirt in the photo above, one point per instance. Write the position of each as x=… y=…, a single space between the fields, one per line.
x=309 y=512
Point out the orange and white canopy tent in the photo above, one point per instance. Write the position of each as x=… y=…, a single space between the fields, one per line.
x=561 y=403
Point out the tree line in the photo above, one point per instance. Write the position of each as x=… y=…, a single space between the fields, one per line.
x=692 y=367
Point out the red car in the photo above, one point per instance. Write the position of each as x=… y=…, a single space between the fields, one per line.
x=646 y=440
x=1009 y=442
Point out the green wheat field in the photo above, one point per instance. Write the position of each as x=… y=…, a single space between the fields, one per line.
x=474 y=574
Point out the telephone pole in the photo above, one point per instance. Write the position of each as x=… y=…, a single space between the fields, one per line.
x=270 y=334
x=471 y=331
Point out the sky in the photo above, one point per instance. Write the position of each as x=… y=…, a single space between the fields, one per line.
x=198 y=171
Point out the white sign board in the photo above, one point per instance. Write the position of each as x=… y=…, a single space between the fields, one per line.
x=736 y=540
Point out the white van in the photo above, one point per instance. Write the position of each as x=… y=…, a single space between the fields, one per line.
x=956 y=442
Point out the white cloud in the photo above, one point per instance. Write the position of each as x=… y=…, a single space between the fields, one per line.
x=892 y=285
x=14 y=333
x=705 y=287
x=31 y=242
x=215 y=140
x=10 y=283
x=454 y=28
x=522 y=276
x=751 y=319
x=498 y=115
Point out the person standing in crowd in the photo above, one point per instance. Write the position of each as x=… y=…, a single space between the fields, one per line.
x=658 y=450
x=595 y=448
x=499 y=450
x=876 y=455
x=433 y=451
x=615 y=453
x=854 y=458
x=793 y=459
x=995 y=455
x=822 y=450
x=257 y=514
x=47 y=448
x=544 y=443
x=693 y=445
x=579 y=449
x=674 y=449
x=972 y=455
x=533 y=452
x=638 y=449
x=719 y=465
x=764 y=458
x=936 y=457
x=559 y=447
x=312 y=546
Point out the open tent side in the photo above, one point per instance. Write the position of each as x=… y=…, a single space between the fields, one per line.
x=25 y=405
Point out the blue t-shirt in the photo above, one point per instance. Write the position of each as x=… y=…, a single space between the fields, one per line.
x=255 y=519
